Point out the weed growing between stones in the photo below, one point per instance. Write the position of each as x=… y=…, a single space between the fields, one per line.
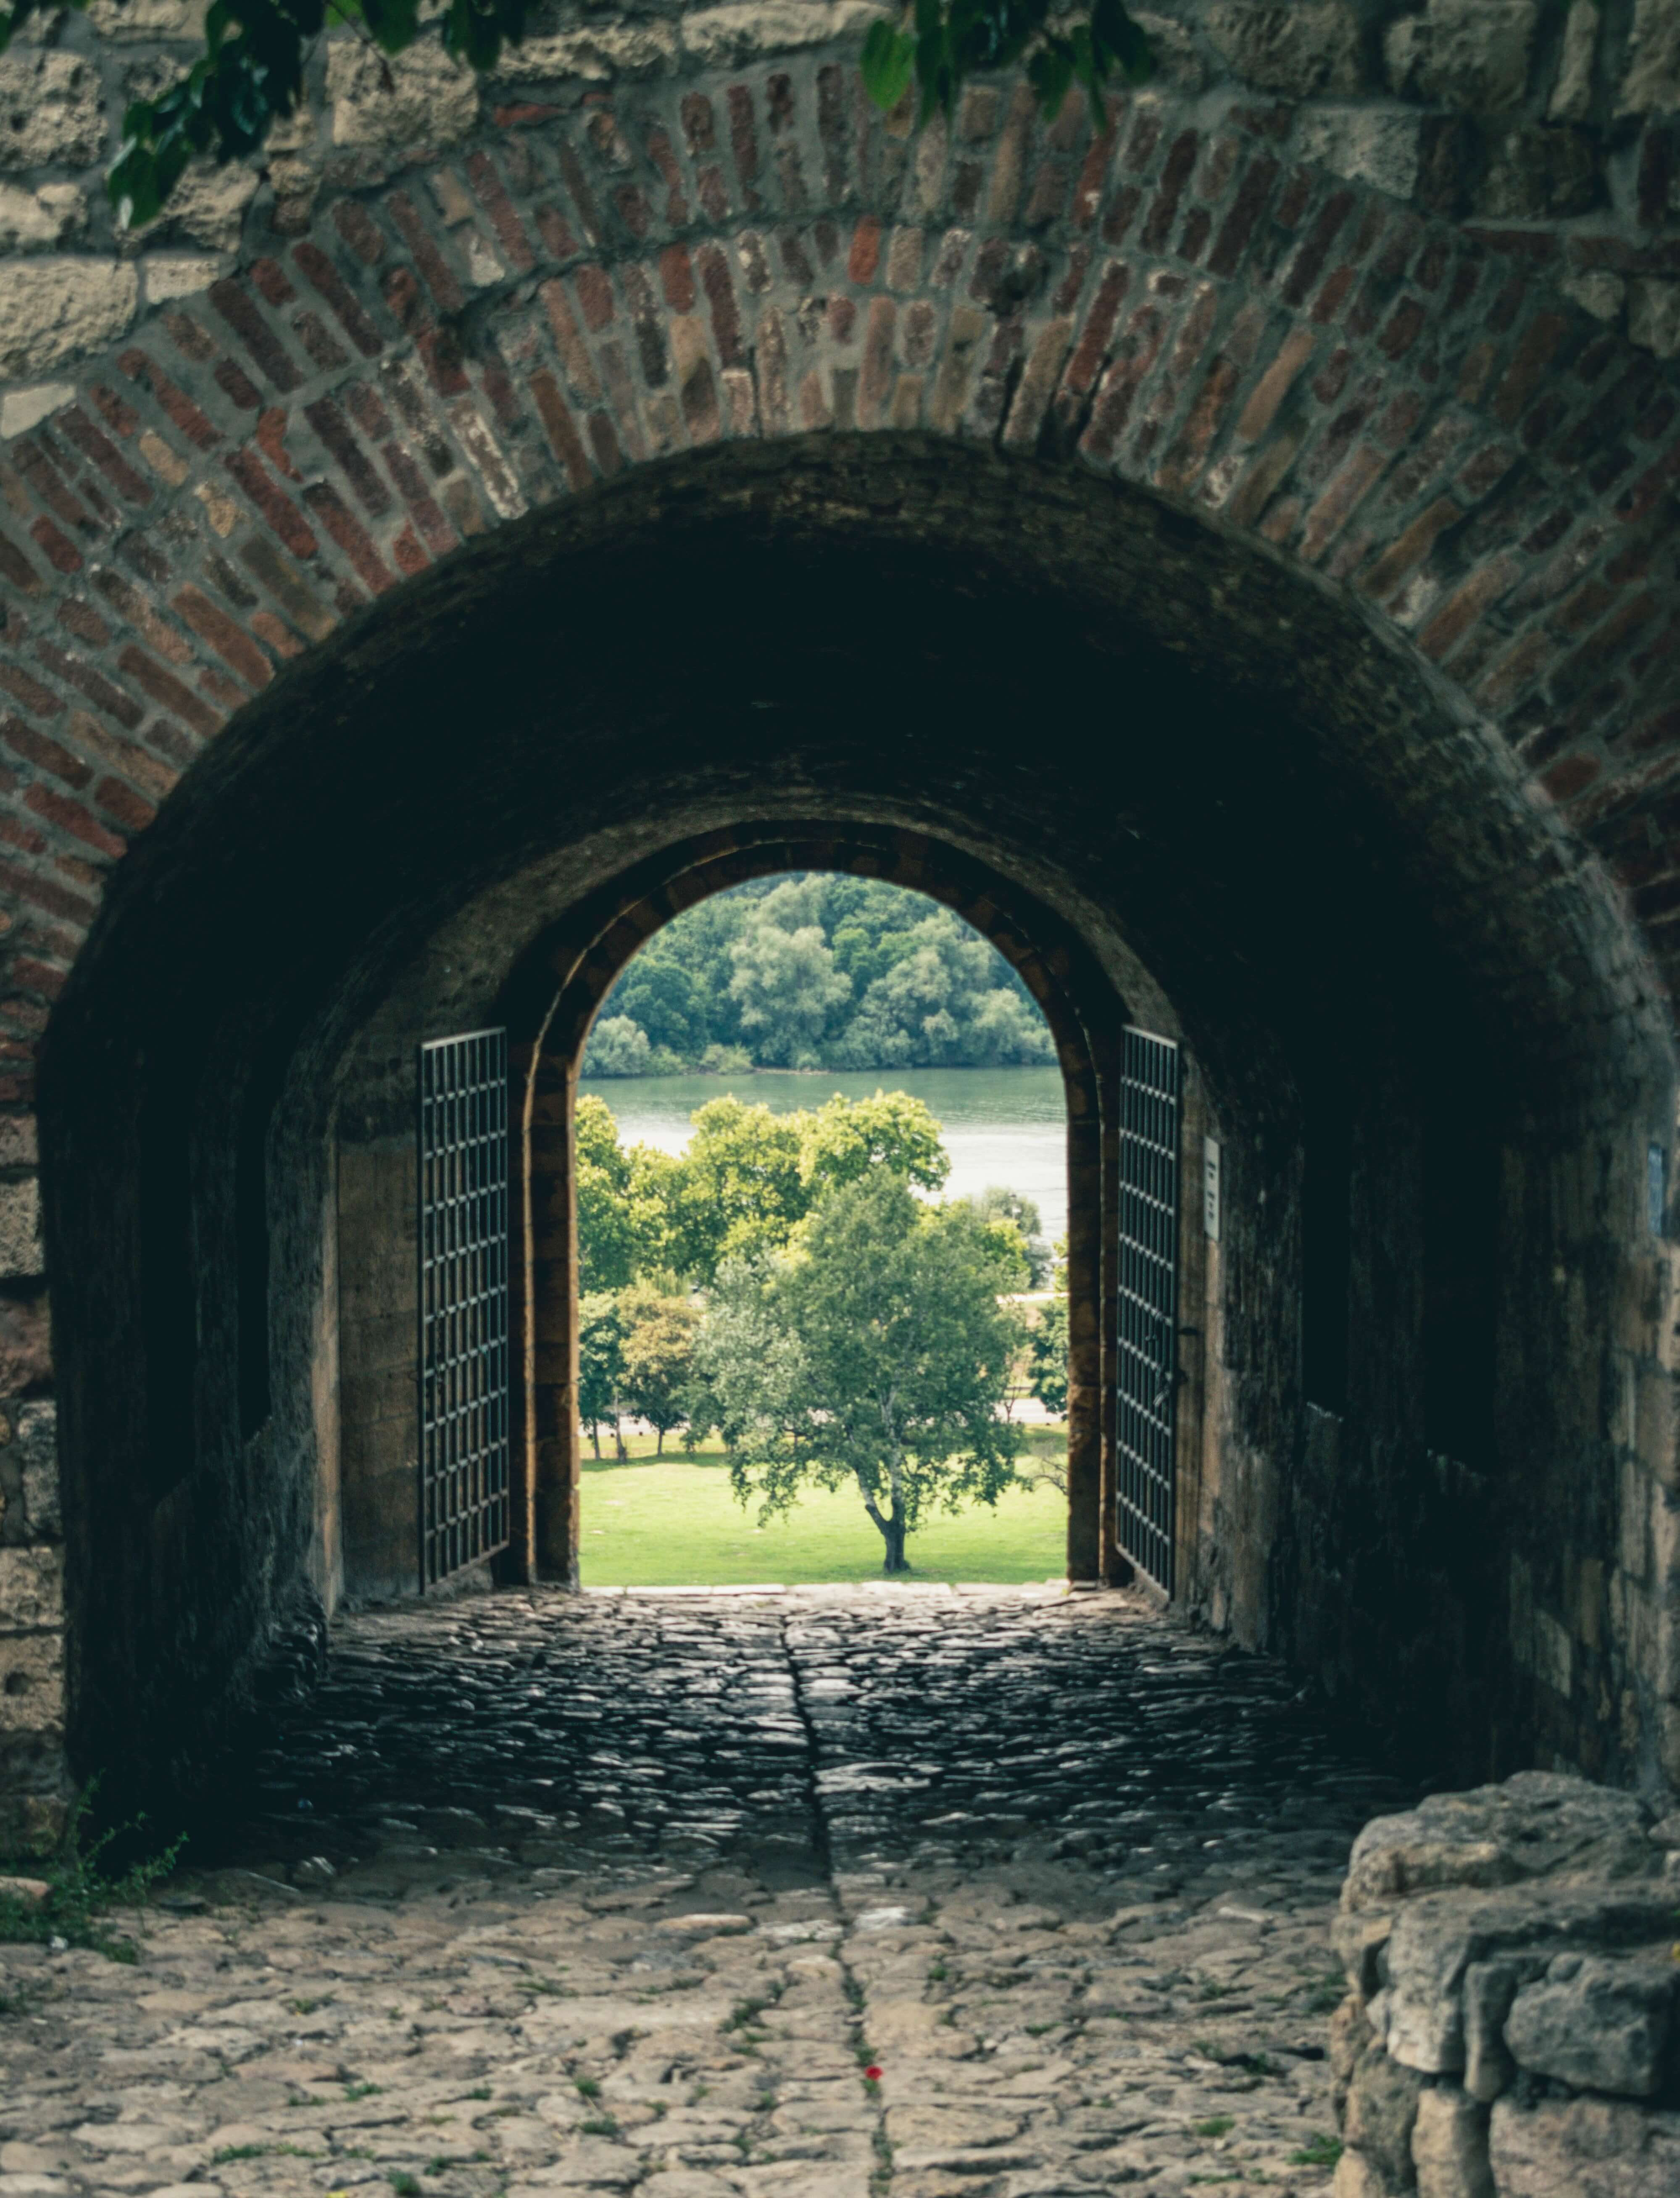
x=1320 y=2150
x=81 y=1891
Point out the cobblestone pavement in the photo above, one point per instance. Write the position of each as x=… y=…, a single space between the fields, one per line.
x=545 y=1893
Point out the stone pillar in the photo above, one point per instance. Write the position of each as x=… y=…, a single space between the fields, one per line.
x=551 y=1443
x=34 y=1778
x=1084 y=1328
x=1116 y=1567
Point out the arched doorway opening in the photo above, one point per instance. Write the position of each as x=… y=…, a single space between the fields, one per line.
x=1286 y=852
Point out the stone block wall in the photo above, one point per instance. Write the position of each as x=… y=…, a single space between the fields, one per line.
x=1551 y=132
x=1512 y=2025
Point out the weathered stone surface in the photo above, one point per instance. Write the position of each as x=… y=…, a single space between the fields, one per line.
x=1573 y=92
x=1367 y=145
x=594 y=55
x=552 y=1967
x=35 y=1436
x=31 y=221
x=207 y=206
x=1541 y=171
x=1302 y=51
x=432 y=100
x=175 y=20
x=1177 y=61
x=1597 y=292
x=1597 y=2023
x=51 y=310
x=1449 y=2146
x=723 y=35
x=49 y=110
x=1583 y=2149
x=20 y=1202
x=26 y=1343
x=31 y=1587
x=167 y=274
x=1538 y=1824
x=21 y=408
x=32 y=1683
x=1489 y=1989
x=1382 y=2105
x=1651 y=79
x=1473 y=55
x=1436 y=1939
x=1654 y=314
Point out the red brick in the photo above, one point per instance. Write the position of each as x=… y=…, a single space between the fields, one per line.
x=493 y=196
x=865 y=255
x=69 y=815
x=561 y=431
x=1454 y=621
x=43 y=893
x=351 y=535
x=239 y=309
x=176 y=404
x=229 y=641
x=93 y=684
x=167 y=692
x=277 y=509
x=123 y=805
x=76 y=425
x=320 y=272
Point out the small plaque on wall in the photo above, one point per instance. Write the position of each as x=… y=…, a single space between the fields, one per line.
x=1210 y=1187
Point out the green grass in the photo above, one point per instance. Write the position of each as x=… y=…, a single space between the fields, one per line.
x=672 y=1522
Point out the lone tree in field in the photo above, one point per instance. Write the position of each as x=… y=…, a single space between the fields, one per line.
x=873 y=1351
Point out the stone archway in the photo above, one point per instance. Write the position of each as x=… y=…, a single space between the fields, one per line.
x=550 y=1001
x=1186 y=399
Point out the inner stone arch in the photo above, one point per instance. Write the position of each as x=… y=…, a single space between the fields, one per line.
x=1228 y=800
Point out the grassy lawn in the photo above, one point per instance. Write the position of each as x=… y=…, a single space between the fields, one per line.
x=672 y=1522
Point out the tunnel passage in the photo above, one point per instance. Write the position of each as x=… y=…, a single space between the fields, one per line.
x=1270 y=844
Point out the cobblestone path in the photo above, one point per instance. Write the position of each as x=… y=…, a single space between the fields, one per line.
x=545 y=1893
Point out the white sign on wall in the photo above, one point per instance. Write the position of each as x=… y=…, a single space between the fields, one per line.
x=1210 y=1187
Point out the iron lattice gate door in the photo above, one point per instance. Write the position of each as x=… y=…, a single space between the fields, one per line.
x=463 y=1301
x=1146 y=1371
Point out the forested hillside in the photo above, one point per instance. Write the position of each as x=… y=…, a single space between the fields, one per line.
x=815 y=971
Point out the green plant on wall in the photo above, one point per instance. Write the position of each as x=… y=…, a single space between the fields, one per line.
x=251 y=72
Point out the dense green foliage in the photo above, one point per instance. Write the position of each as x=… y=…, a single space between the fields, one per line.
x=747 y=1180
x=251 y=73
x=874 y=1351
x=1047 y=1358
x=815 y=971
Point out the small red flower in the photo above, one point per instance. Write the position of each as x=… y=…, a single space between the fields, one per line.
x=872 y=2075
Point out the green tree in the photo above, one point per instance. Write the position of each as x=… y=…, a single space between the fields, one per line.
x=607 y=1243
x=1047 y=1357
x=998 y=1202
x=601 y=1365
x=785 y=988
x=848 y=1138
x=659 y=1358
x=874 y=1351
x=625 y=1202
x=739 y=1188
x=618 y=1046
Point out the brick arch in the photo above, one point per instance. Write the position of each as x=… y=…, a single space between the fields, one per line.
x=1404 y=510
x=550 y=1001
x=1400 y=413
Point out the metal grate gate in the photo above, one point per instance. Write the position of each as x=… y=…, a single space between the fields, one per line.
x=1146 y=1372
x=463 y=1301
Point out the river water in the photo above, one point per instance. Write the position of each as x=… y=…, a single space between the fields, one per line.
x=1000 y=1125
